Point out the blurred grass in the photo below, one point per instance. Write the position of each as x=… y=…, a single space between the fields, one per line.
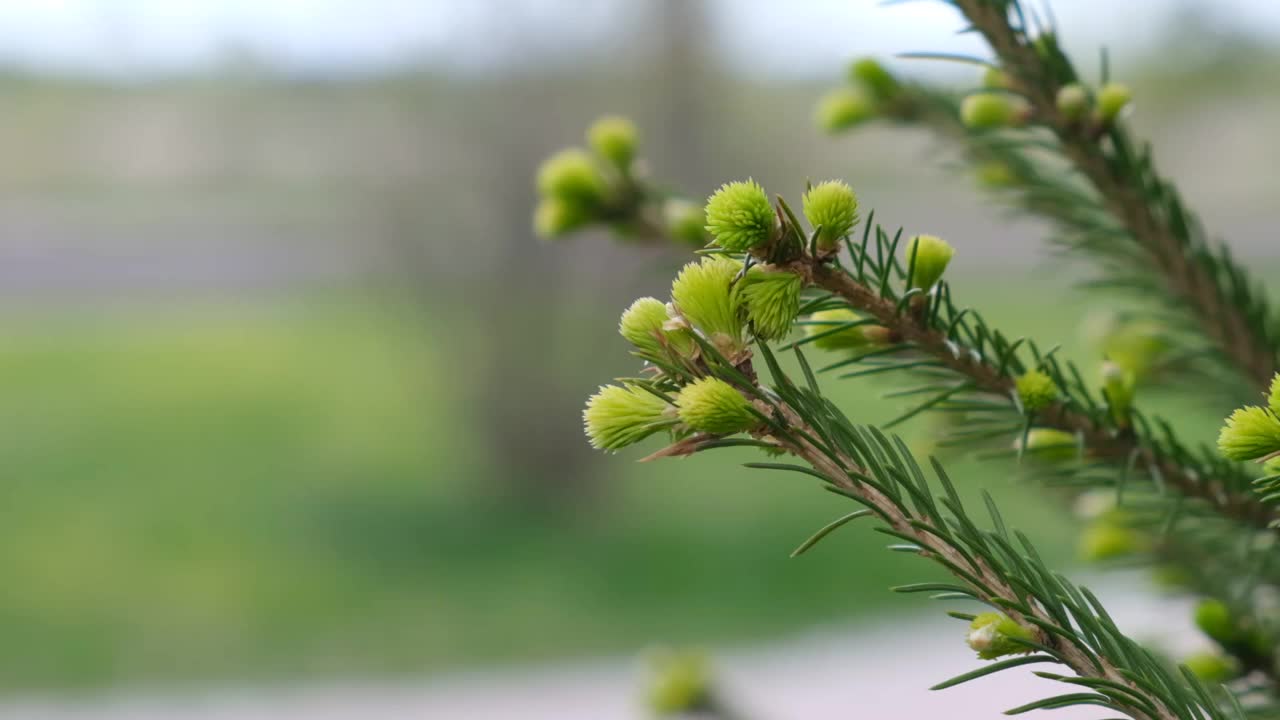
x=283 y=489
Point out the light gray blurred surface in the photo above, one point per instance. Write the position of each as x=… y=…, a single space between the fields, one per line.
x=880 y=669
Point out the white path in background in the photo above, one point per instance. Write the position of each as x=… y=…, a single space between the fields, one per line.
x=843 y=672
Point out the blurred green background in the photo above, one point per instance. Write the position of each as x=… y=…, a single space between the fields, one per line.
x=289 y=391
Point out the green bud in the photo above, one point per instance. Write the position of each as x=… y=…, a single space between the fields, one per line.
x=825 y=322
x=842 y=109
x=678 y=683
x=1273 y=397
x=772 y=298
x=1249 y=434
x=1107 y=540
x=1049 y=445
x=1137 y=346
x=1212 y=667
x=926 y=258
x=994 y=635
x=614 y=139
x=740 y=217
x=1036 y=390
x=985 y=111
x=685 y=222
x=572 y=177
x=554 y=218
x=622 y=415
x=995 y=174
x=996 y=79
x=1172 y=577
x=1073 y=101
x=869 y=73
x=643 y=324
x=705 y=294
x=1214 y=619
x=1112 y=98
x=833 y=206
x=1118 y=384
x=712 y=405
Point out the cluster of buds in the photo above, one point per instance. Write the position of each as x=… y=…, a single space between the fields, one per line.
x=741 y=219
x=1253 y=433
x=1077 y=105
x=580 y=187
x=998 y=105
x=711 y=301
x=872 y=92
x=746 y=288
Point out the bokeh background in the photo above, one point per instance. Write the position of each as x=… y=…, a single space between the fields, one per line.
x=291 y=396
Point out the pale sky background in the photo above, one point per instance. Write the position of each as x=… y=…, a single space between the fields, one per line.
x=803 y=36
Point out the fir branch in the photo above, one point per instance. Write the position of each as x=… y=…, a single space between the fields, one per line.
x=1230 y=309
x=1066 y=623
x=1103 y=440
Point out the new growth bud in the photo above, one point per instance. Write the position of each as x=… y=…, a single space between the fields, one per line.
x=1211 y=667
x=988 y=110
x=1036 y=390
x=996 y=79
x=926 y=258
x=1112 y=98
x=622 y=415
x=993 y=635
x=712 y=405
x=995 y=174
x=1073 y=102
x=740 y=216
x=685 y=221
x=1049 y=445
x=1107 y=539
x=869 y=73
x=1214 y=619
x=678 y=682
x=643 y=325
x=614 y=139
x=1251 y=433
x=1273 y=397
x=572 y=177
x=553 y=217
x=1118 y=384
x=842 y=109
x=705 y=294
x=772 y=298
x=834 y=330
x=832 y=206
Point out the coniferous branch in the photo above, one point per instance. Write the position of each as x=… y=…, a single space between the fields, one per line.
x=968 y=367
x=719 y=402
x=930 y=334
x=1227 y=305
